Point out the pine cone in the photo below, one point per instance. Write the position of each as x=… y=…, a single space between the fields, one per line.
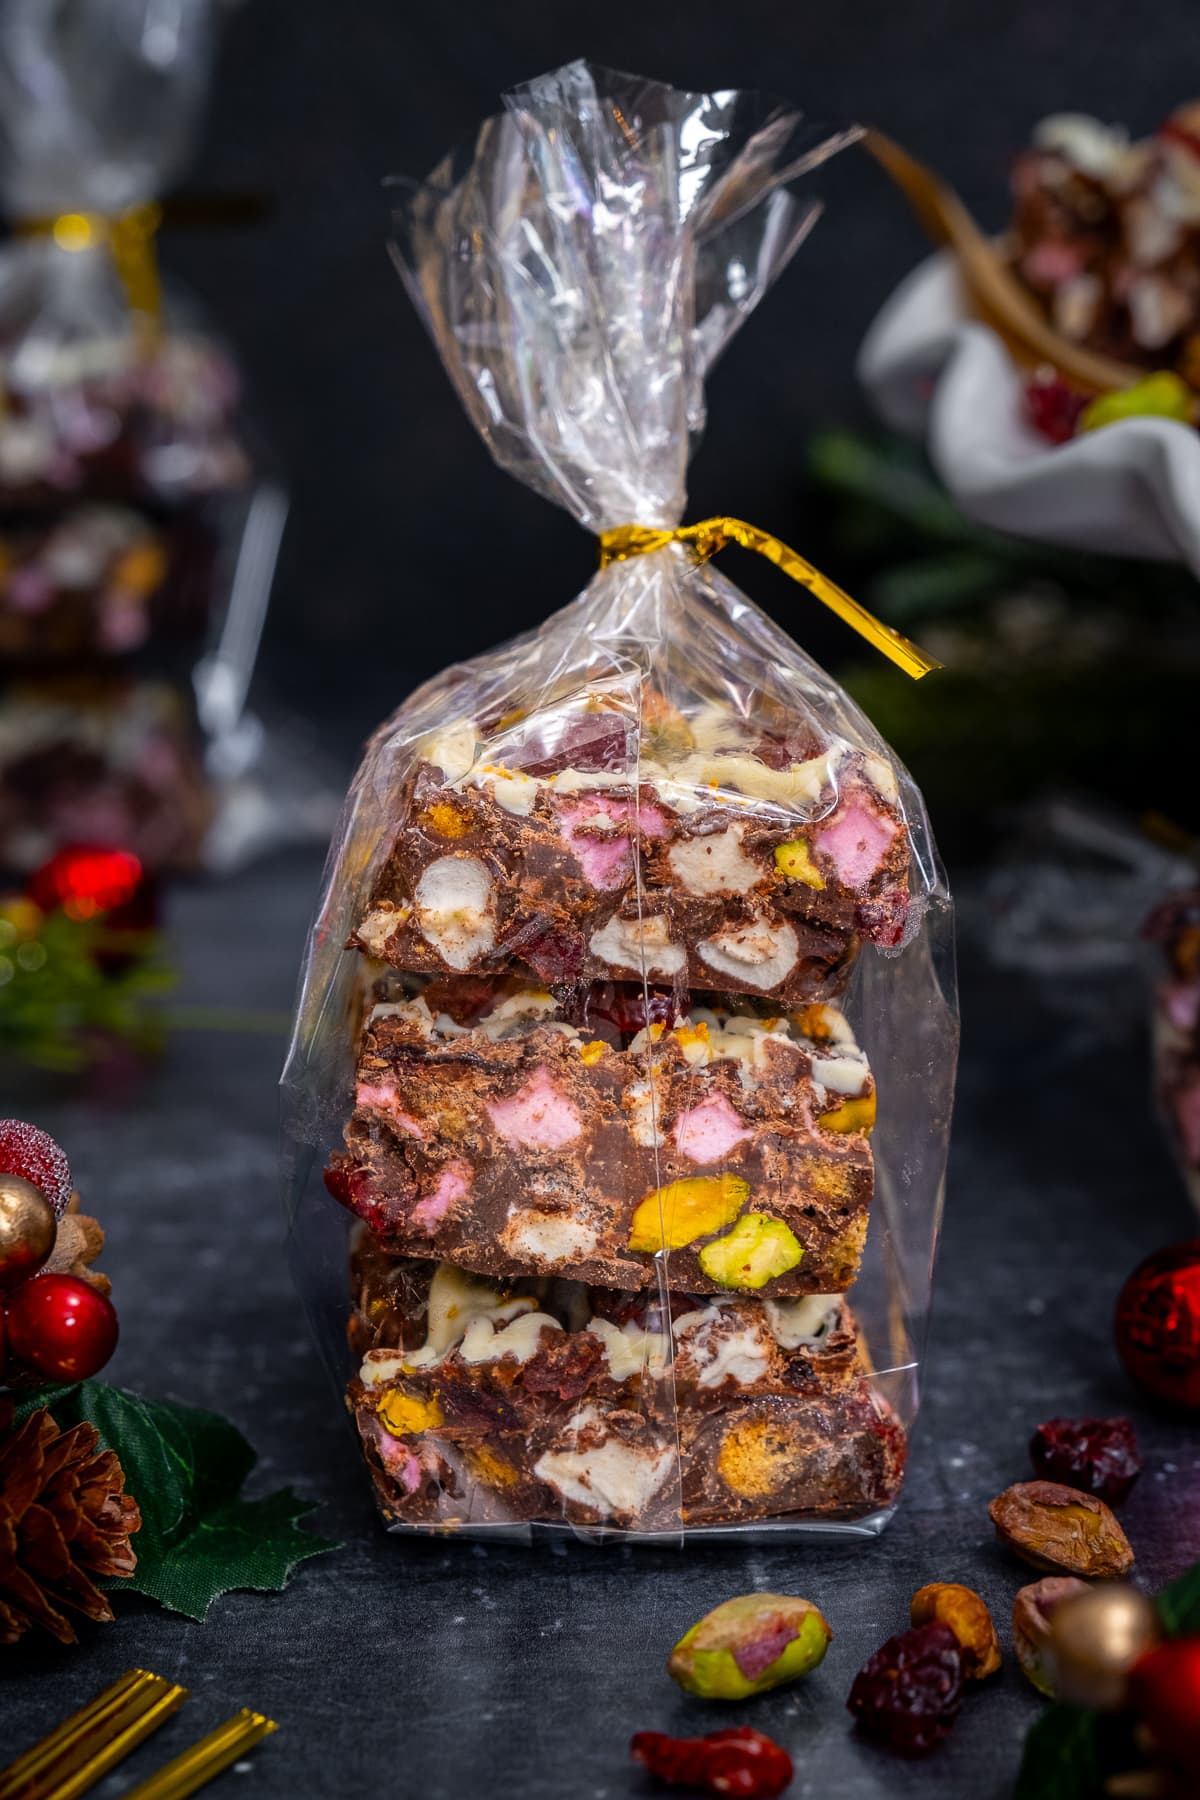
x=64 y=1518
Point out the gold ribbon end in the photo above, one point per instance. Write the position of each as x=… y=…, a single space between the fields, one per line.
x=709 y=536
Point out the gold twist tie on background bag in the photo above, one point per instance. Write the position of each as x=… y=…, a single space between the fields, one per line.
x=129 y=239
x=705 y=538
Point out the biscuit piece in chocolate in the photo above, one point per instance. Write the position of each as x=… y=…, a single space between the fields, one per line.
x=491 y=1131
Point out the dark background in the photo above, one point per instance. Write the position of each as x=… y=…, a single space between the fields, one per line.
x=406 y=548
x=452 y=1672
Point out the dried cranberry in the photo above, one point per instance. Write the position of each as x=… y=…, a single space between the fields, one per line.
x=592 y=744
x=882 y=921
x=738 y=1761
x=557 y=956
x=351 y=1188
x=781 y=749
x=628 y=1007
x=1053 y=408
x=1099 y=1456
x=908 y=1694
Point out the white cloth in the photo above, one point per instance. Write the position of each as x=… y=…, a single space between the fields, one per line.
x=1131 y=489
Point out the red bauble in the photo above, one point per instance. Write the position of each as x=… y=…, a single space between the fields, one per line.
x=1158 y=1325
x=86 y=879
x=61 y=1327
x=1164 y=1690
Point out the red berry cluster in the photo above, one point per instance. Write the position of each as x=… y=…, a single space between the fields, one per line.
x=53 y=1326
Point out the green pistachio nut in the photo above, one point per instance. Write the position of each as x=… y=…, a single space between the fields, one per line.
x=754 y=1252
x=1159 y=396
x=748 y=1645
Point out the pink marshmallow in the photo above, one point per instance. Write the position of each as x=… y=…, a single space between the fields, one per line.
x=856 y=841
x=1050 y=263
x=604 y=860
x=452 y=1185
x=1182 y=1005
x=651 y=821
x=710 y=1131
x=398 y=1460
x=382 y=1094
x=537 y=1117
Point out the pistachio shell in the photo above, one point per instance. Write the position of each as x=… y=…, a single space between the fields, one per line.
x=748 y=1645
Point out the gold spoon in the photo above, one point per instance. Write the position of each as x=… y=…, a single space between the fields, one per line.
x=996 y=293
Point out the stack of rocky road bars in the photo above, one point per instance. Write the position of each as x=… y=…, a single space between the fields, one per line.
x=610 y=1144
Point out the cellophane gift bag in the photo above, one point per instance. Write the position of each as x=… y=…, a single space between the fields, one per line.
x=137 y=534
x=619 y=1092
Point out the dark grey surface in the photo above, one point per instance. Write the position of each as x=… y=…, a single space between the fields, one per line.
x=447 y=1671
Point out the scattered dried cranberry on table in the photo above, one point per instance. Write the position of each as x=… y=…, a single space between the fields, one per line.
x=738 y=1761
x=1099 y=1456
x=907 y=1696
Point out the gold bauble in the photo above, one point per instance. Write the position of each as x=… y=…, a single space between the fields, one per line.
x=27 y=1230
x=1095 y=1639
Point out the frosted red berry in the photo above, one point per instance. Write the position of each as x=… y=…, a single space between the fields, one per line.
x=1099 y=1456
x=908 y=1695
x=1053 y=408
x=738 y=1761
x=35 y=1157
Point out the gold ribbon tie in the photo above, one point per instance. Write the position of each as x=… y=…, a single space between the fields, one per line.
x=708 y=536
x=129 y=239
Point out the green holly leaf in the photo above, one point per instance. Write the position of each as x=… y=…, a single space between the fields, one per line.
x=199 y=1538
x=1061 y=1760
x=244 y=1544
x=1179 y=1603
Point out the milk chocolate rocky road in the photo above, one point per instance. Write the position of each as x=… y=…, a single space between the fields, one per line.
x=549 y=1400
x=513 y=1133
x=588 y=844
